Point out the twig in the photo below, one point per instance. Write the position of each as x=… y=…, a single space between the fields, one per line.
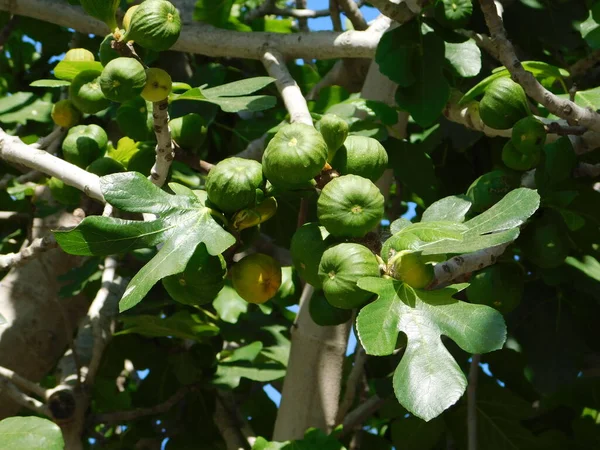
x=472 y=401
x=13 y=215
x=482 y=40
x=164 y=145
x=302 y=21
x=261 y=11
x=101 y=314
x=56 y=134
x=34 y=175
x=22 y=382
x=583 y=66
x=14 y=150
x=357 y=416
x=352 y=11
x=228 y=428
x=125 y=416
x=294 y=101
x=7 y=30
x=587 y=170
x=565 y=109
x=334 y=12
x=35 y=249
x=12 y=392
x=463 y=264
x=356 y=374
x=564 y=130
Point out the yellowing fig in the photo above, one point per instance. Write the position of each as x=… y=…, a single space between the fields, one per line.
x=65 y=114
x=158 y=85
x=102 y=9
x=256 y=278
x=128 y=16
x=409 y=267
x=79 y=54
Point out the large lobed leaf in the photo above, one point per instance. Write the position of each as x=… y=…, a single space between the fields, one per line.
x=183 y=222
x=428 y=380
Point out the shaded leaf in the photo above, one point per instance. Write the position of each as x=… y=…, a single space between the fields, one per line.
x=30 y=433
x=396 y=51
x=181 y=325
x=229 y=305
x=238 y=88
x=416 y=434
x=464 y=57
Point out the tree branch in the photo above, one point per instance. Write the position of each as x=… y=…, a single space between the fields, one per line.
x=357 y=416
x=401 y=11
x=460 y=265
x=34 y=175
x=164 y=144
x=587 y=170
x=295 y=103
x=37 y=247
x=12 y=149
x=22 y=382
x=11 y=391
x=101 y=315
x=354 y=379
x=472 y=401
x=334 y=12
x=125 y=416
x=566 y=109
x=207 y=40
x=352 y=11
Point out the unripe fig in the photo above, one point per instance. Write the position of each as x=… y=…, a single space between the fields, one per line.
x=189 y=131
x=350 y=206
x=231 y=185
x=309 y=242
x=361 y=155
x=122 y=79
x=516 y=160
x=295 y=155
x=499 y=286
x=528 y=135
x=154 y=25
x=84 y=144
x=504 y=103
x=65 y=115
x=256 y=277
x=334 y=130
x=63 y=193
x=340 y=268
x=158 y=85
x=79 y=54
x=86 y=94
x=203 y=278
x=105 y=166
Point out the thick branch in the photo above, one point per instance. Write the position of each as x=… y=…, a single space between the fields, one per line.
x=460 y=265
x=37 y=247
x=566 y=109
x=12 y=149
x=295 y=103
x=126 y=416
x=207 y=40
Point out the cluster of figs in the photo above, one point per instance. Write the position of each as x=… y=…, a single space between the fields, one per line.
x=504 y=105
x=335 y=251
